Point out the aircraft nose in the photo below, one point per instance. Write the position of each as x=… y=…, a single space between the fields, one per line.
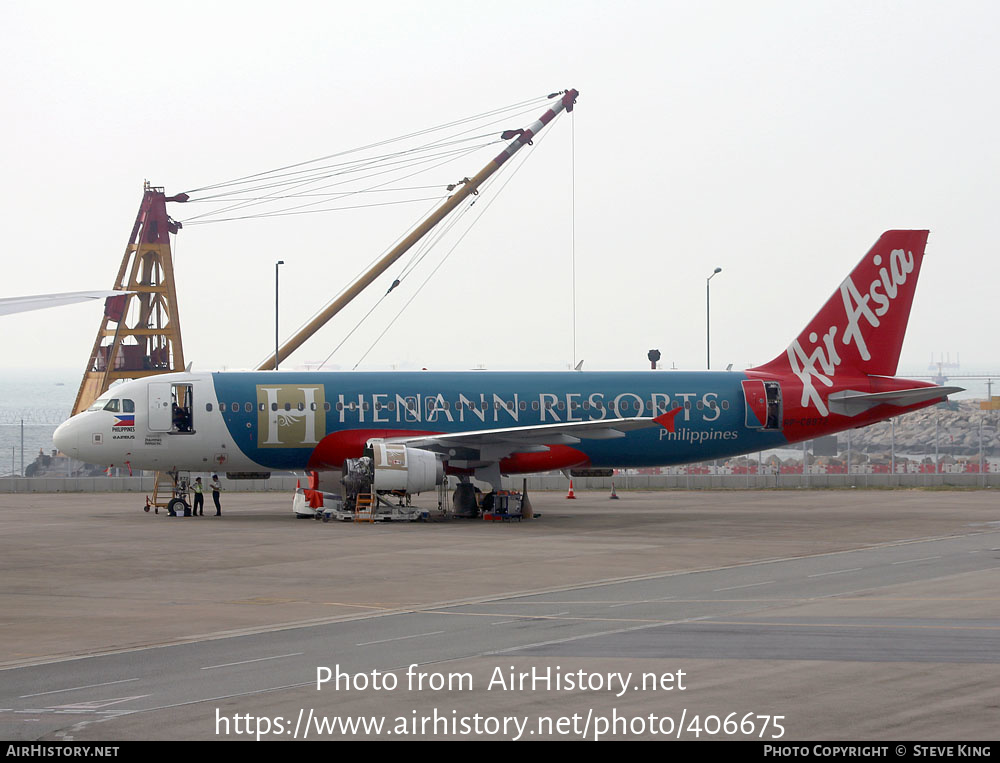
x=65 y=437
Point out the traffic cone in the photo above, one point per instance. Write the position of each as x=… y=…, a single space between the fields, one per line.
x=570 y=493
x=614 y=495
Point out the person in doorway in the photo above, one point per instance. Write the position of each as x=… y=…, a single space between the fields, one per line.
x=199 y=499
x=216 y=487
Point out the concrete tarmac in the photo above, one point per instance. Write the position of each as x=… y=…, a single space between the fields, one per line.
x=849 y=614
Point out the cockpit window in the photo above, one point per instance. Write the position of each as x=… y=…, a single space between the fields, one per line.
x=98 y=405
x=127 y=405
x=112 y=406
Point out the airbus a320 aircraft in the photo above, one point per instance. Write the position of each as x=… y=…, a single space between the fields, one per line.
x=838 y=373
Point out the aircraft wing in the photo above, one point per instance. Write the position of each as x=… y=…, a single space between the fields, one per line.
x=493 y=444
x=10 y=305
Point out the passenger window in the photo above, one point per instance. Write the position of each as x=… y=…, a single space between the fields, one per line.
x=248 y=407
x=208 y=407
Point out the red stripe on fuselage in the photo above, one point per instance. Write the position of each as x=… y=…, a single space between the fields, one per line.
x=337 y=447
x=557 y=457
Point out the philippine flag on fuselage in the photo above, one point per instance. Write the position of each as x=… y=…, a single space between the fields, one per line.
x=128 y=420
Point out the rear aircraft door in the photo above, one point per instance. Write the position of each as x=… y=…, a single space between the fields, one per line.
x=763 y=404
x=159 y=407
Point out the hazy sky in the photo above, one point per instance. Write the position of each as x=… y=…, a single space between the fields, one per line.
x=776 y=140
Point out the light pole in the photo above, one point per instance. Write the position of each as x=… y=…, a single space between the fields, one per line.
x=708 y=319
x=279 y=262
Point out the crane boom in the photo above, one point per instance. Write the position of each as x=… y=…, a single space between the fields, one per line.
x=521 y=139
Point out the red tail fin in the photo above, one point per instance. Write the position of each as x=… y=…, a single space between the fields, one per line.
x=861 y=326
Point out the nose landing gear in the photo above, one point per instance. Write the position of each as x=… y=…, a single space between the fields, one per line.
x=178 y=504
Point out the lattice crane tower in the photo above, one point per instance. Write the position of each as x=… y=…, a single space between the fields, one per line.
x=140 y=333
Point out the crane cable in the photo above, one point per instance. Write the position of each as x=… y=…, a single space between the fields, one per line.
x=444 y=259
x=308 y=177
x=387 y=141
x=196 y=220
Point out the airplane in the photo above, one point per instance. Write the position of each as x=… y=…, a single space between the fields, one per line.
x=406 y=431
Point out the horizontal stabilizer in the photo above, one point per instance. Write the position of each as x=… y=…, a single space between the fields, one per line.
x=851 y=403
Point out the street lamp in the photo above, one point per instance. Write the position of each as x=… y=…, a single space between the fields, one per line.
x=708 y=318
x=279 y=262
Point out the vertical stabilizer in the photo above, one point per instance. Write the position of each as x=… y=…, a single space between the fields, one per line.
x=860 y=329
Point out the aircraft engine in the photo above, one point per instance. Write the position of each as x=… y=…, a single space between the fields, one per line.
x=393 y=466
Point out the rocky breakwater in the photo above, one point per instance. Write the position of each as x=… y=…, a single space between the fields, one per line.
x=957 y=425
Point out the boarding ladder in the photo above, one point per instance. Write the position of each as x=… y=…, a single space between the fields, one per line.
x=364 y=508
x=163 y=492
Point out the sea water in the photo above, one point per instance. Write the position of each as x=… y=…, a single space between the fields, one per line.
x=42 y=401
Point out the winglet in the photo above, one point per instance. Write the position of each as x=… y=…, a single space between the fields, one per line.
x=666 y=420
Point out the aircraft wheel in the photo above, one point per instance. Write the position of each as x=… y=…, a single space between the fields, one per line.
x=176 y=506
